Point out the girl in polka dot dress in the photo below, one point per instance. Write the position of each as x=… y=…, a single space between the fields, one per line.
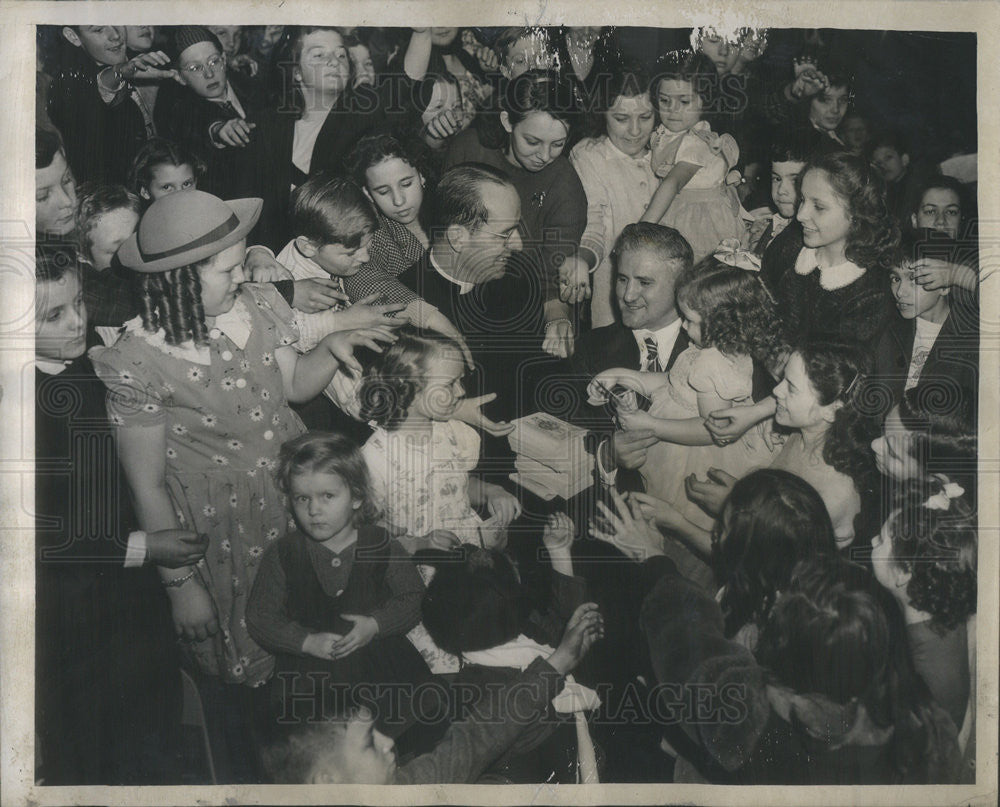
x=199 y=386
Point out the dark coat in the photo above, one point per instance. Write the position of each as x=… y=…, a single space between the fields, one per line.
x=184 y=116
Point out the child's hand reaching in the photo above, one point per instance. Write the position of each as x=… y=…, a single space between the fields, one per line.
x=662 y=513
x=365 y=629
x=315 y=294
x=153 y=65
x=710 y=494
x=600 y=386
x=808 y=80
x=366 y=314
x=341 y=344
x=584 y=628
x=636 y=420
x=260 y=266
x=234 y=133
x=627 y=529
x=558 y=533
x=502 y=505
x=470 y=410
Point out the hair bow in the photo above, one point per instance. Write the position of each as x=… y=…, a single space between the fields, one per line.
x=942 y=499
x=731 y=253
x=722 y=144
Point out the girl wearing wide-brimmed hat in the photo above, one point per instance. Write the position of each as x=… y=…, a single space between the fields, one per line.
x=199 y=386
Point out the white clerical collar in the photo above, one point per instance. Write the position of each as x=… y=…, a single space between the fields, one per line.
x=235 y=324
x=50 y=366
x=831 y=278
x=463 y=286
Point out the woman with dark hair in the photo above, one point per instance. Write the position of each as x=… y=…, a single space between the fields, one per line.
x=829 y=696
x=317 y=118
x=838 y=283
x=540 y=112
x=925 y=556
x=614 y=167
x=769 y=520
x=823 y=399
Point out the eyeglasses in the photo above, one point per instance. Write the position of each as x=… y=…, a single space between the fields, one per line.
x=213 y=63
x=505 y=236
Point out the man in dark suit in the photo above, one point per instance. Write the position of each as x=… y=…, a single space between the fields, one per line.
x=648 y=259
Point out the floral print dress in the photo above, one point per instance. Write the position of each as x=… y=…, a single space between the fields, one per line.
x=226 y=416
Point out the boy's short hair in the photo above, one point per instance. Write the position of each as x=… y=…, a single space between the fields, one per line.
x=792 y=146
x=93 y=201
x=668 y=242
x=291 y=759
x=942 y=182
x=332 y=210
x=47 y=145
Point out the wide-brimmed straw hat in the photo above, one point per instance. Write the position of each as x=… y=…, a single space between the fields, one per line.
x=187 y=227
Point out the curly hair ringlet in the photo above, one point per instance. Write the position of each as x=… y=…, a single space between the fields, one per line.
x=172 y=301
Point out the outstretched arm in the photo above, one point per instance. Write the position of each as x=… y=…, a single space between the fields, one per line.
x=671 y=185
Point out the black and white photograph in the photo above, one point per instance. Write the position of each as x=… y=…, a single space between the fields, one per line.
x=589 y=414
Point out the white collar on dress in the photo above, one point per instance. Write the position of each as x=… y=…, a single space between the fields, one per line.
x=50 y=366
x=235 y=324
x=831 y=278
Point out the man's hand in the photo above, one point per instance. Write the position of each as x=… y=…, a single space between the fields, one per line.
x=175 y=548
x=630 y=447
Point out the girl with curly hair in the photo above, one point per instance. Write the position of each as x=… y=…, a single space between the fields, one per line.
x=335 y=596
x=925 y=556
x=838 y=284
x=730 y=321
x=420 y=457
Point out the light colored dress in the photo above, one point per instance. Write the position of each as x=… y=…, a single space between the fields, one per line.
x=226 y=416
x=706 y=211
x=695 y=371
x=420 y=480
x=618 y=188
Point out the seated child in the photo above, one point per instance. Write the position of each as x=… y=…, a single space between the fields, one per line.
x=420 y=458
x=162 y=167
x=477 y=608
x=934 y=336
x=105 y=664
x=353 y=751
x=695 y=195
x=336 y=595
x=730 y=321
x=213 y=112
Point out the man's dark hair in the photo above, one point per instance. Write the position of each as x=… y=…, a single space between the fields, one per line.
x=458 y=198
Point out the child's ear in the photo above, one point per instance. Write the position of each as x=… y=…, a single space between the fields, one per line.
x=913 y=220
x=505 y=122
x=71 y=36
x=905 y=160
x=144 y=193
x=306 y=246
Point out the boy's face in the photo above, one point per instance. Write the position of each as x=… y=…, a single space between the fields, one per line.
x=783 y=193
x=912 y=299
x=828 y=108
x=104 y=44
x=203 y=69
x=338 y=260
x=139 y=37
x=941 y=210
x=55 y=198
x=361 y=755
x=60 y=318
x=890 y=163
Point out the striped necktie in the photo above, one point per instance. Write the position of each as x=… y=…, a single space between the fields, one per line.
x=652 y=363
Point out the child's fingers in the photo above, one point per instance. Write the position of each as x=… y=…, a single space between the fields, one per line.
x=370 y=300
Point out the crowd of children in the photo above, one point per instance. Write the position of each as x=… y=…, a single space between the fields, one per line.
x=271 y=263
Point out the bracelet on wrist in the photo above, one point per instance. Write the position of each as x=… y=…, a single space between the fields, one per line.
x=561 y=319
x=177 y=582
